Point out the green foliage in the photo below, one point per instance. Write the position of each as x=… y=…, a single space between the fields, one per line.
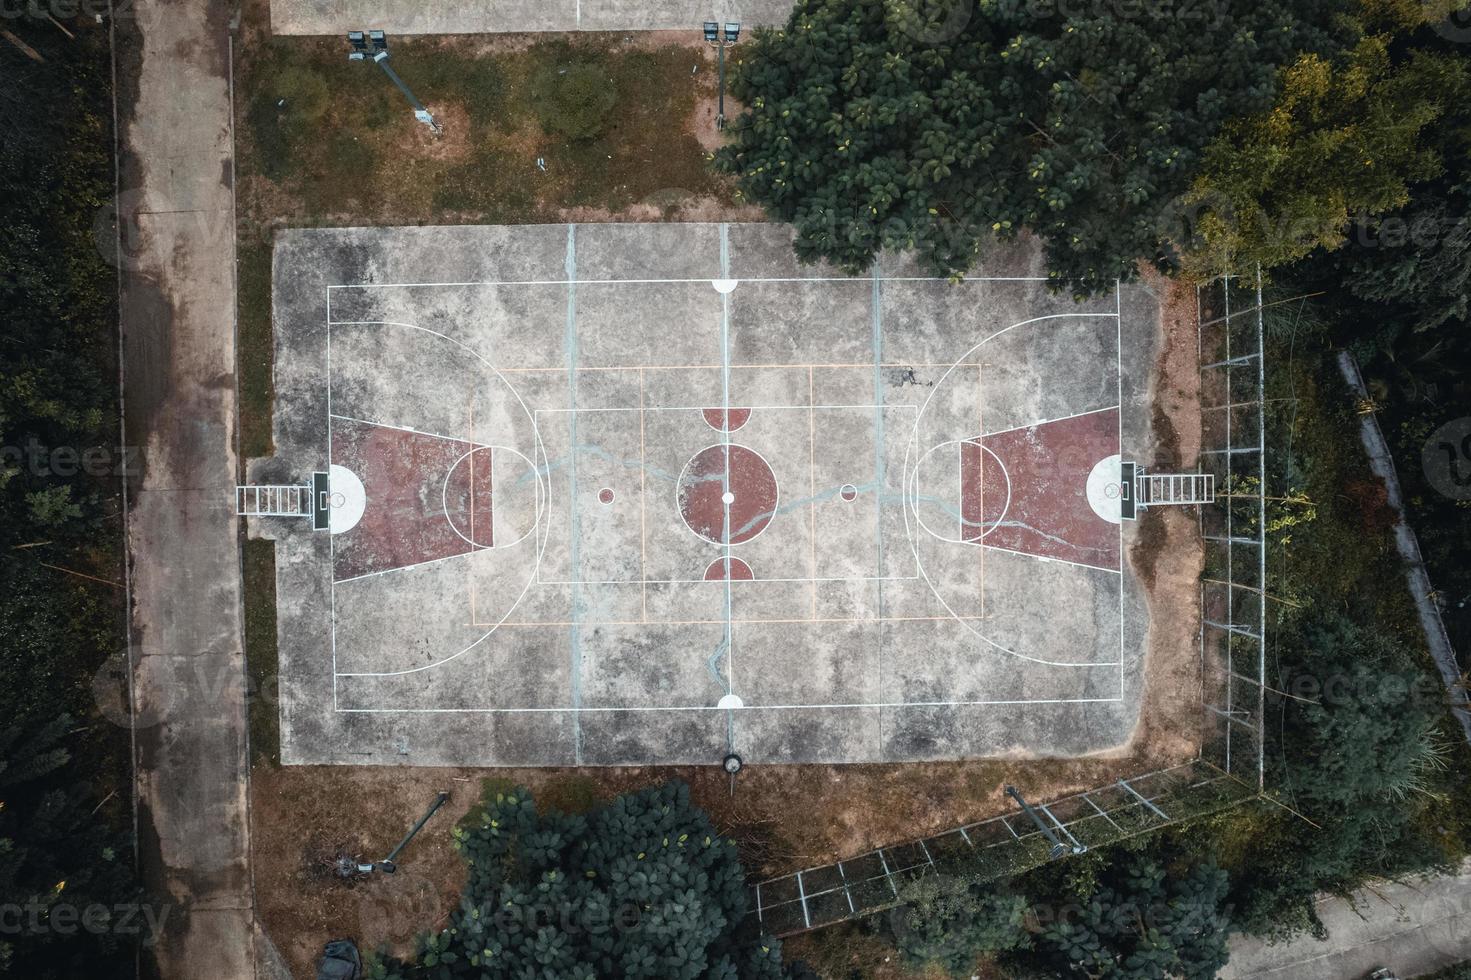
x=56 y=859
x=1342 y=141
x=52 y=507
x=644 y=887
x=1367 y=728
x=59 y=851
x=1142 y=924
x=951 y=922
x=574 y=99
x=877 y=126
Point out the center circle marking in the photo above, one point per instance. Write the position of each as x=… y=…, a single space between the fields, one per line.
x=727 y=494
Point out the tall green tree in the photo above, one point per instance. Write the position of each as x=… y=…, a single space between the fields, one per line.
x=644 y=887
x=1343 y=141
x=891 y=124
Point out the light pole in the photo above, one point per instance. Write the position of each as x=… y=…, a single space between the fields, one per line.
x=1058 y=848
x=347 y=868
x=380 y=57
x=713 y=34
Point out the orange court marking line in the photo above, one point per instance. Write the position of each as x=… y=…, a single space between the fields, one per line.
x=722 y=622
x=643 y=464
x=796 y=365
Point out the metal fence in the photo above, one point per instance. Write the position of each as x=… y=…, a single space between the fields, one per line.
x=1230 y=766
x=994 y=848
x=1233 y=585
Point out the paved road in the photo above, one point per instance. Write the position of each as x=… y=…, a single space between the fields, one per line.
x=1414 y=929
x=175 y=210
x=494 y=16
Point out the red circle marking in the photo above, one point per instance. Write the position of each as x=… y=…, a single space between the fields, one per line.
x=605 y=495
x=848 y=491
x=739 y=571
x=717 y=418
x=717 y=472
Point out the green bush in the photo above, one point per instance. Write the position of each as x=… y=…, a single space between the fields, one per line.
x=951 y=922
x=573 y=100
x=643 y=887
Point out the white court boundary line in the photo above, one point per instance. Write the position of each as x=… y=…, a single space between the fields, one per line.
x=542 y=454
x=705 y=280
x=855 y=706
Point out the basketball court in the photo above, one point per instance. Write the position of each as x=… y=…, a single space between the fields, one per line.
x=644 y=494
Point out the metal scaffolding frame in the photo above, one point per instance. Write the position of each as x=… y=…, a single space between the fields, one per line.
x=1233 y=614
x=994 y=848
x=1230 y=768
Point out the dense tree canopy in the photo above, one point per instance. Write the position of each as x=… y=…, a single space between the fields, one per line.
x=66 y=881
x=644 y=887
x=1141 y=924
x=889 y=124
x=61 y=850
x=1341 y=142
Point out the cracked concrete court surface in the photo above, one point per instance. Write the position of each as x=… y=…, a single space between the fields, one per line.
x=640 y=494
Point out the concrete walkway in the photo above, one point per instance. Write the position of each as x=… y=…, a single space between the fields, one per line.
x=175 y=212
x=1414 y=929
x=499 y=16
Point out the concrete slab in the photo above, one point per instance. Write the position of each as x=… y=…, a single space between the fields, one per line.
x=497 y=16
x=648 y=494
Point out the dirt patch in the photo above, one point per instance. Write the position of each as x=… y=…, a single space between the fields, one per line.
x=1176 y=410
x=780 y=817
x=1168 y=555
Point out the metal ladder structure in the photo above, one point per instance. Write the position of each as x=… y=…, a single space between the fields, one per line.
x=286 y=500
x=1155 y=489
x=1141 y=489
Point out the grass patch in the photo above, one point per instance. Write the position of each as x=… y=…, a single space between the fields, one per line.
x=261 y=664
x=254 y=354
x=333 y=140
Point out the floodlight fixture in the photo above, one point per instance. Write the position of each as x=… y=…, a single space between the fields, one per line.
x=712 y=32
x=379 y=41
x=732 y=31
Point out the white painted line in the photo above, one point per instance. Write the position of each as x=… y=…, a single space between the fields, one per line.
x=409 y=428
x=1060 y=418
x=715 y=707
x=864 y=281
